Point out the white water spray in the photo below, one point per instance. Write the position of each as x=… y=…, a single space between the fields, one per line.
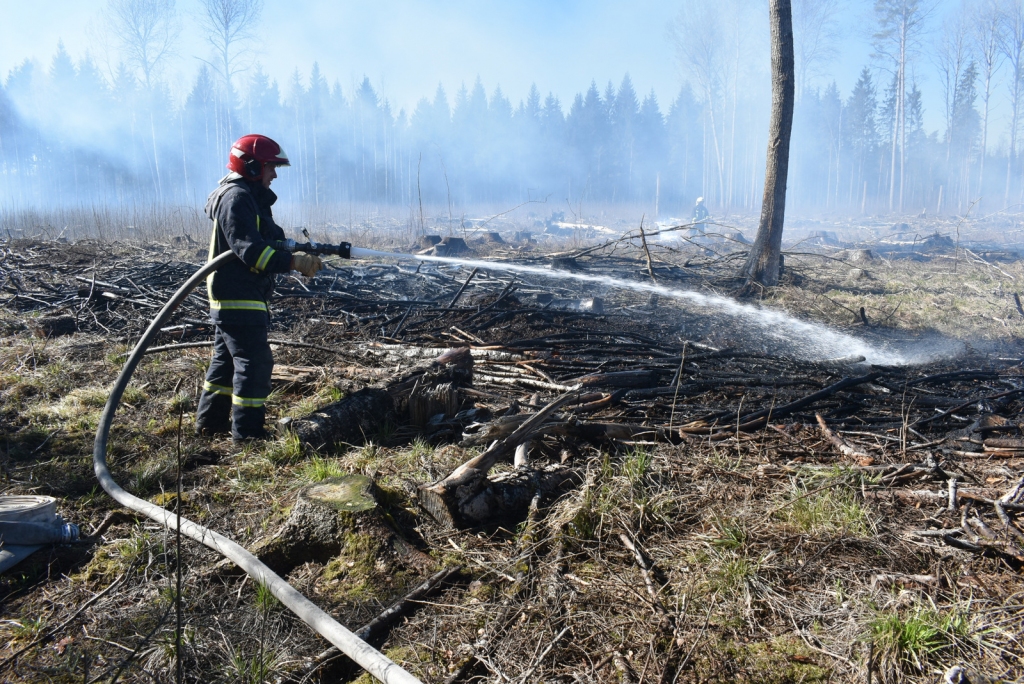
x=806 y=340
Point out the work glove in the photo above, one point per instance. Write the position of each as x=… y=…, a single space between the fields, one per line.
x=306 y=264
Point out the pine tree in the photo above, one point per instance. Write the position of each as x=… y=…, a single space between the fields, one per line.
x=860 y=133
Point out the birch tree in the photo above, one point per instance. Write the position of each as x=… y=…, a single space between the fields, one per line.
x=900 y=23
x=987 y=34
x=699 y=41
x=229 y=26
x=815 y=35
x=147 y=31
x=952 y=56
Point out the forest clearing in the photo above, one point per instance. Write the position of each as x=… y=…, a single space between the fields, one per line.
x=663 y=493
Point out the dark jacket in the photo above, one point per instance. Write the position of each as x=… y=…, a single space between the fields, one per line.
x=242 y=222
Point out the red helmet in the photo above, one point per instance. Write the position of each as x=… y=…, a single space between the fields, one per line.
x=251 y=152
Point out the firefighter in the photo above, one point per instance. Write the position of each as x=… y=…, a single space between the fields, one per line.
x=700 y=212
x=238 y=380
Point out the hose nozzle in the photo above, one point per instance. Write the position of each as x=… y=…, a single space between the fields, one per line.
x=343 y=249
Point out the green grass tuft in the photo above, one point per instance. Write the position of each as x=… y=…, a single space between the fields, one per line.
x=318 y=469
x=912 y=641
x=830 y=511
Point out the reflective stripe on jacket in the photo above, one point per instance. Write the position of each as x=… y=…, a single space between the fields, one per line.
x=243 y=222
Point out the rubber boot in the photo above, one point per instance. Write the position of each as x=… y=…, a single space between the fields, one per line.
x=247 y=424
x=213 y=416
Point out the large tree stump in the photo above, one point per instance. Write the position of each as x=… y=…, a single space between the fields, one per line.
x=432 y=388
x=329 y=516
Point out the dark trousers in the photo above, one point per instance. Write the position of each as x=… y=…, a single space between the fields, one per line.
x=237 y=383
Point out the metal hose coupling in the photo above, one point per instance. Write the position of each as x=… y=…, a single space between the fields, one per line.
x=342 y=249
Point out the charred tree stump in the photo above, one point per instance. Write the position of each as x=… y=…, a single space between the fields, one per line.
x=428 y=241
x=54 y=326
x=433 y=388
x=325 y=518
x=451 y=246
x=467 y=496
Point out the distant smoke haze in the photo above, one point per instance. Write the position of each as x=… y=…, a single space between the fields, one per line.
x=465 y=104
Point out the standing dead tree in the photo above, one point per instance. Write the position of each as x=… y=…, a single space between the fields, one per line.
x=987 y=29
x=763 y=266
x=229 y=25
x=900 y=25
x=147 y=31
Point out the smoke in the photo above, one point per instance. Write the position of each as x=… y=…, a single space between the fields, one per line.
x=769 y=329
x=587 y=137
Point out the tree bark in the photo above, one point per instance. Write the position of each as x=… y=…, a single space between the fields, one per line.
x=763 y=266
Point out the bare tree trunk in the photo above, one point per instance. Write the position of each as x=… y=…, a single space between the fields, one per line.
x=989 y=68
x=763 y=264
x=1013 y=140
x=1015 y=98
x=719 y=157
x=895 y=140
x=903 y=122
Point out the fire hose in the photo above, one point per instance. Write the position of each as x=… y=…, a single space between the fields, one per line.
x=369 y=658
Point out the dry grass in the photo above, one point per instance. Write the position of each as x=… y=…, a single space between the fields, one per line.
x=764 y=562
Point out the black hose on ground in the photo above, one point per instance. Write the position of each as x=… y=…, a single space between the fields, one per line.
x=372 y=660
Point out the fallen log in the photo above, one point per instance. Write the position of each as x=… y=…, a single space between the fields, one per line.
x=428 y=389
x=631 y=378
x=356 y=419
x=1004 y=444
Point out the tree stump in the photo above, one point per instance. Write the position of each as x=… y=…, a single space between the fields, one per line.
x=451 y=246
x=860 y=256
x=506 y=496
x=428 y=241
x=432 y=388
x=338 y=515
x=468 y=497
x=54 y=326
x=566 y=264
x=432 y=400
